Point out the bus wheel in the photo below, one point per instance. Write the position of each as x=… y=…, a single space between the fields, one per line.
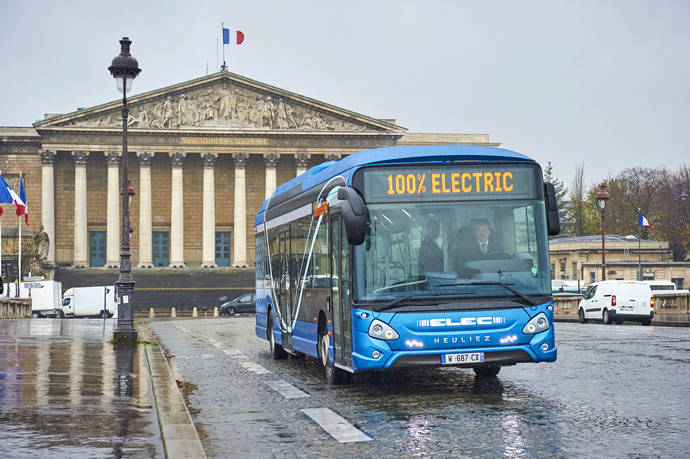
x=486 y=372
x=277 y=351
x=333 y=375
x=581 y=316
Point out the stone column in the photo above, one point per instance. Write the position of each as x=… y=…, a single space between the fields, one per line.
x=177 y=212
x=145 y=234
x=81 y=242
x=271 y=160
x=112 y=248
x=239 y=239
x=48 y=201
x=302 y=160
x=208 y=253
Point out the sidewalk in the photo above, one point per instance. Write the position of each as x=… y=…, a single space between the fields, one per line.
x=65 y=391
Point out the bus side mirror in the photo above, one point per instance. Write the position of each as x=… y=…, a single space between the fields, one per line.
x=354 y=215
x=553 y=220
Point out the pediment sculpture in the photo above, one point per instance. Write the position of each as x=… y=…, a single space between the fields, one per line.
x=231 y=107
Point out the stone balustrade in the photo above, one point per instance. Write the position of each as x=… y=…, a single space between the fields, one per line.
x=669 y=307
x=15 y=308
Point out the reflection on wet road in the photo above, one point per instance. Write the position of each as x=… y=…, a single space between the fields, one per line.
x=66 y=392
x=615 y=391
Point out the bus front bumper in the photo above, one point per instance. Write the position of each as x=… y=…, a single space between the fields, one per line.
x=541 y=348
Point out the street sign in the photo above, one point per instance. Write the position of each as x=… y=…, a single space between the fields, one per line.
x=34 y=278
x=32 y=285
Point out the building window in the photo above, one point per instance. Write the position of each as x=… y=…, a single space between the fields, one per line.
x=161 y=248
x=223 y=248
x=575 y=276
x=648 y=276
x=553 y=271
x=96 y=248
x=679 y=281
x=593 y=276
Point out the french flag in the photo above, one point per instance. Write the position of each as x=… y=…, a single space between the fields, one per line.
x=20 y=201
x=232 y=37
x=642 y=221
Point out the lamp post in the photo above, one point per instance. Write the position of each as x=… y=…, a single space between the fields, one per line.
x=602 y=197
x=124 y=69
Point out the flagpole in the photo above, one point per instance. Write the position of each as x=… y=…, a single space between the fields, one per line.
x=224 y=67
x=218 y=69
x=19 y=233
x=639 y=247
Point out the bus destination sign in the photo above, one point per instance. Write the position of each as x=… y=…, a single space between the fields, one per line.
x=449 y=182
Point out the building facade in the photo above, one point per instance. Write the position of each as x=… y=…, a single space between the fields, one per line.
x=203 y=156
x=579 y=257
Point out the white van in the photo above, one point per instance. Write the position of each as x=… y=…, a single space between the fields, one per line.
x=616 y=301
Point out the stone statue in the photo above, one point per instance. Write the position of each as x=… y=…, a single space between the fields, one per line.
x=35 y=267
x=42 y=242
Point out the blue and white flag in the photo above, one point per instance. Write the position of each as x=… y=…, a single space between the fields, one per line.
x=642 y=221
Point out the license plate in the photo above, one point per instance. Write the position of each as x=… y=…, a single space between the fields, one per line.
x=465 y=357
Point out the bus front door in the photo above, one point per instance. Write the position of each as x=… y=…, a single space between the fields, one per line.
x=284 y=296
x=340 y=292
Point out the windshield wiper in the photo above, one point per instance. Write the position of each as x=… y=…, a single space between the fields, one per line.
x=392 y=303
x=502 y=284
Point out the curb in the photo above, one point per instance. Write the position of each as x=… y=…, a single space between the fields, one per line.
x=179 y=435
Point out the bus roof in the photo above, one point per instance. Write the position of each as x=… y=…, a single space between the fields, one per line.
x=392 y=155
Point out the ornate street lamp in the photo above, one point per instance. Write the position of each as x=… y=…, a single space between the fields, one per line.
x=125 y=68
x=602 y=197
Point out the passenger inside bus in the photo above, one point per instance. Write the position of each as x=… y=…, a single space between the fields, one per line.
x=430 y=254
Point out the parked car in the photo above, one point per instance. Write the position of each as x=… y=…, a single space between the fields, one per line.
x=616 y=301
x=244 y=303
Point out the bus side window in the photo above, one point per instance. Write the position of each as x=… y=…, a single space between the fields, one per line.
x=322 y=268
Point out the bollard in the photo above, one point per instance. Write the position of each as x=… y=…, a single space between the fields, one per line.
x=215 y=311
x=195 y=313
x=172 y=312
x=152 y=313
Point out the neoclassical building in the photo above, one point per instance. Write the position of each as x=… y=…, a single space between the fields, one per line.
x=203 y=156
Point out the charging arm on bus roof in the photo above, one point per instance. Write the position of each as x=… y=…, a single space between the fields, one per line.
x=354 y=214
x=553 y=220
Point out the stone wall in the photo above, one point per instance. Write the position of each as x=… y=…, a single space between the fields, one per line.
x=14 y=308
x=672 y=308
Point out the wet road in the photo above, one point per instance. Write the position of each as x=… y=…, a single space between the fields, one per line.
x=616 y=391
x=66 y=392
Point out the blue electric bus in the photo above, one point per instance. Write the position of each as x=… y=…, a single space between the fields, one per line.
x=409 y=256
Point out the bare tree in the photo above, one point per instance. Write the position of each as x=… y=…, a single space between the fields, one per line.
x=577 y=210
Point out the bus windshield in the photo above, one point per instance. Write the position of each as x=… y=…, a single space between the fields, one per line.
x=440 y=248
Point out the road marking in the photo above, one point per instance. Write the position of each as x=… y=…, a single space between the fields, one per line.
x=235 y=353
x=336 y=426
x=286 y=389
x=254 y=368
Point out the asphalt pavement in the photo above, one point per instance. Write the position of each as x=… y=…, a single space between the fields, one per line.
x=615 y=391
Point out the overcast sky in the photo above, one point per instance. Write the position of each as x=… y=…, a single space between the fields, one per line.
x=604 y=83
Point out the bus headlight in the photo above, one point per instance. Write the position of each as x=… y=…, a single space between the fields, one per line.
x=538 y=324
x=381 y=330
